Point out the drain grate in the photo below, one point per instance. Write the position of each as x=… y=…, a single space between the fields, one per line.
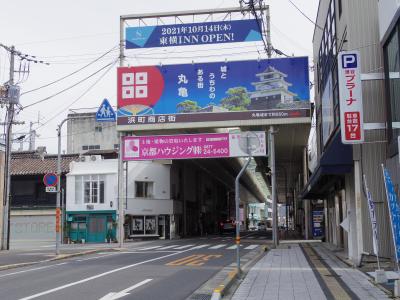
x=200 y=297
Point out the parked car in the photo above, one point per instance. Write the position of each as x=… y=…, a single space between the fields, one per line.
x=261 y=226
x=227 y=226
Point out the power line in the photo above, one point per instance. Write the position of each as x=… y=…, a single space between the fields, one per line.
x=68 y=88
x=78 y=98
x=309 y=19
x=71 y=74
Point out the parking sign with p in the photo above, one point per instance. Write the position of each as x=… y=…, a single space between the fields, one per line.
x=349 y=61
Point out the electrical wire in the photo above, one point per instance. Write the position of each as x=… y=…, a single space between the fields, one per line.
x=78 y=98
x=71 y=74
x=69 y=87
x=308 y=18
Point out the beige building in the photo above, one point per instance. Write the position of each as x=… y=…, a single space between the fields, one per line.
x=336 y=185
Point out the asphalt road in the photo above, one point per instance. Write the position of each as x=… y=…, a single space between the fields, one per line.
x=156 y=270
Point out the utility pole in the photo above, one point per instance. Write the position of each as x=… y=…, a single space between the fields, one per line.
x=121 y=190
x=5 y=245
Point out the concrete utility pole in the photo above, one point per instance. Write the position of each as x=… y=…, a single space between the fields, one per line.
x=5 y=245
x=121 y=213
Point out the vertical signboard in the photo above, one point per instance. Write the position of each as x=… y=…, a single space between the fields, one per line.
x=317 y=225
x=350 y=97
x=394 y=211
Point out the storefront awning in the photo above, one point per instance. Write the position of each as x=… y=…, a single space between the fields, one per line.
x=336 y=161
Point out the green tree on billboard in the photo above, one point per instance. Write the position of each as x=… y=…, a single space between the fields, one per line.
x=238 y=99
x=187 y=106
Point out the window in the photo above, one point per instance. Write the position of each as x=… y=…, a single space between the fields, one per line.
x=89 y=189
x=328 y=114
x=94 y=147
x=143 y=189
x=86 y=147
x=392 y=72
x=340 y=7
x=98 y=128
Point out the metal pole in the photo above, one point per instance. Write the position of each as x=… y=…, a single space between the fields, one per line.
x=273 y=192
x=58 y=188
x=237 y=209
x=7 y=195
x=238 y=215
x=120 y=162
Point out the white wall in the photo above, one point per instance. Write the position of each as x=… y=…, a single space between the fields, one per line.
x=108 y=168
x=387 y=10
x=154 y=172
x=157 y=173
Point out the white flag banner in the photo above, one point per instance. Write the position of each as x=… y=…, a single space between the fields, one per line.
x=372 y=215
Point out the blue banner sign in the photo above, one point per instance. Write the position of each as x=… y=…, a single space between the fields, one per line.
x=394 y=209
x=318 y=223
x=217 y=91
x=192 y=34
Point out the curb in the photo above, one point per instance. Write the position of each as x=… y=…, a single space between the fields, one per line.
x=59 y=257
x=233 y=277
x=218 y=286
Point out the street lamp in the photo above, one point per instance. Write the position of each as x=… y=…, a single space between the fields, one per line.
x=59 y=179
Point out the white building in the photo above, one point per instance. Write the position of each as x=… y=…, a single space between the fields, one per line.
x=84 y=134
x=92 y=200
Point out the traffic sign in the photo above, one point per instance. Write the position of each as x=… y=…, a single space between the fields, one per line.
x=105 y=113
x=51 y=189
x=50 y=179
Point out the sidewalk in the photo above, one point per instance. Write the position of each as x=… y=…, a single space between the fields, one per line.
x=305 y=271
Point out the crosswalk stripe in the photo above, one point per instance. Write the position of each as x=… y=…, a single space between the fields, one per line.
x=149 y=248
x=251 y=247
x=168 y=247
x=218 y=246
x=200 y=246
x=183 y=247
x=232 y=247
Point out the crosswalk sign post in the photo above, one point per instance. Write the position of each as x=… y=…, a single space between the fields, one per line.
x=105 y=113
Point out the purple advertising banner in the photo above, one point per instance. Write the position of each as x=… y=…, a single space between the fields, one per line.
x=191 y=146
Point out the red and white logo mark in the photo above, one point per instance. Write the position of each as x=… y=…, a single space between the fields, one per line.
x=134 y=85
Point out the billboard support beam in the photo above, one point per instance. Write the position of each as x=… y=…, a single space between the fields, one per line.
x=273 y=183
x=188 y=13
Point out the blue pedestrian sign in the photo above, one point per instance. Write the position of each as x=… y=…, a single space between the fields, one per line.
x=105 y=112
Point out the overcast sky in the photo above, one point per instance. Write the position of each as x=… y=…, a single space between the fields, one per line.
x=70 y=34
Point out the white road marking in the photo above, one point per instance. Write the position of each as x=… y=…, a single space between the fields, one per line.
x=200 y=246
x=232 y=247
x=251 y=247
x=218 y=246
x=149 y=248
x=30 y=270
x=98 y=276
x=96 y=257
x=168 y=247
x=125 y=292
x=183 y=247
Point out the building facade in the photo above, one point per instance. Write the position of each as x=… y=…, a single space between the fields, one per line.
x=336 y=185
x=85 y=134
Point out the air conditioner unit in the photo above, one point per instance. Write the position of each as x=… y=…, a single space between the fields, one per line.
x=95 y=157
